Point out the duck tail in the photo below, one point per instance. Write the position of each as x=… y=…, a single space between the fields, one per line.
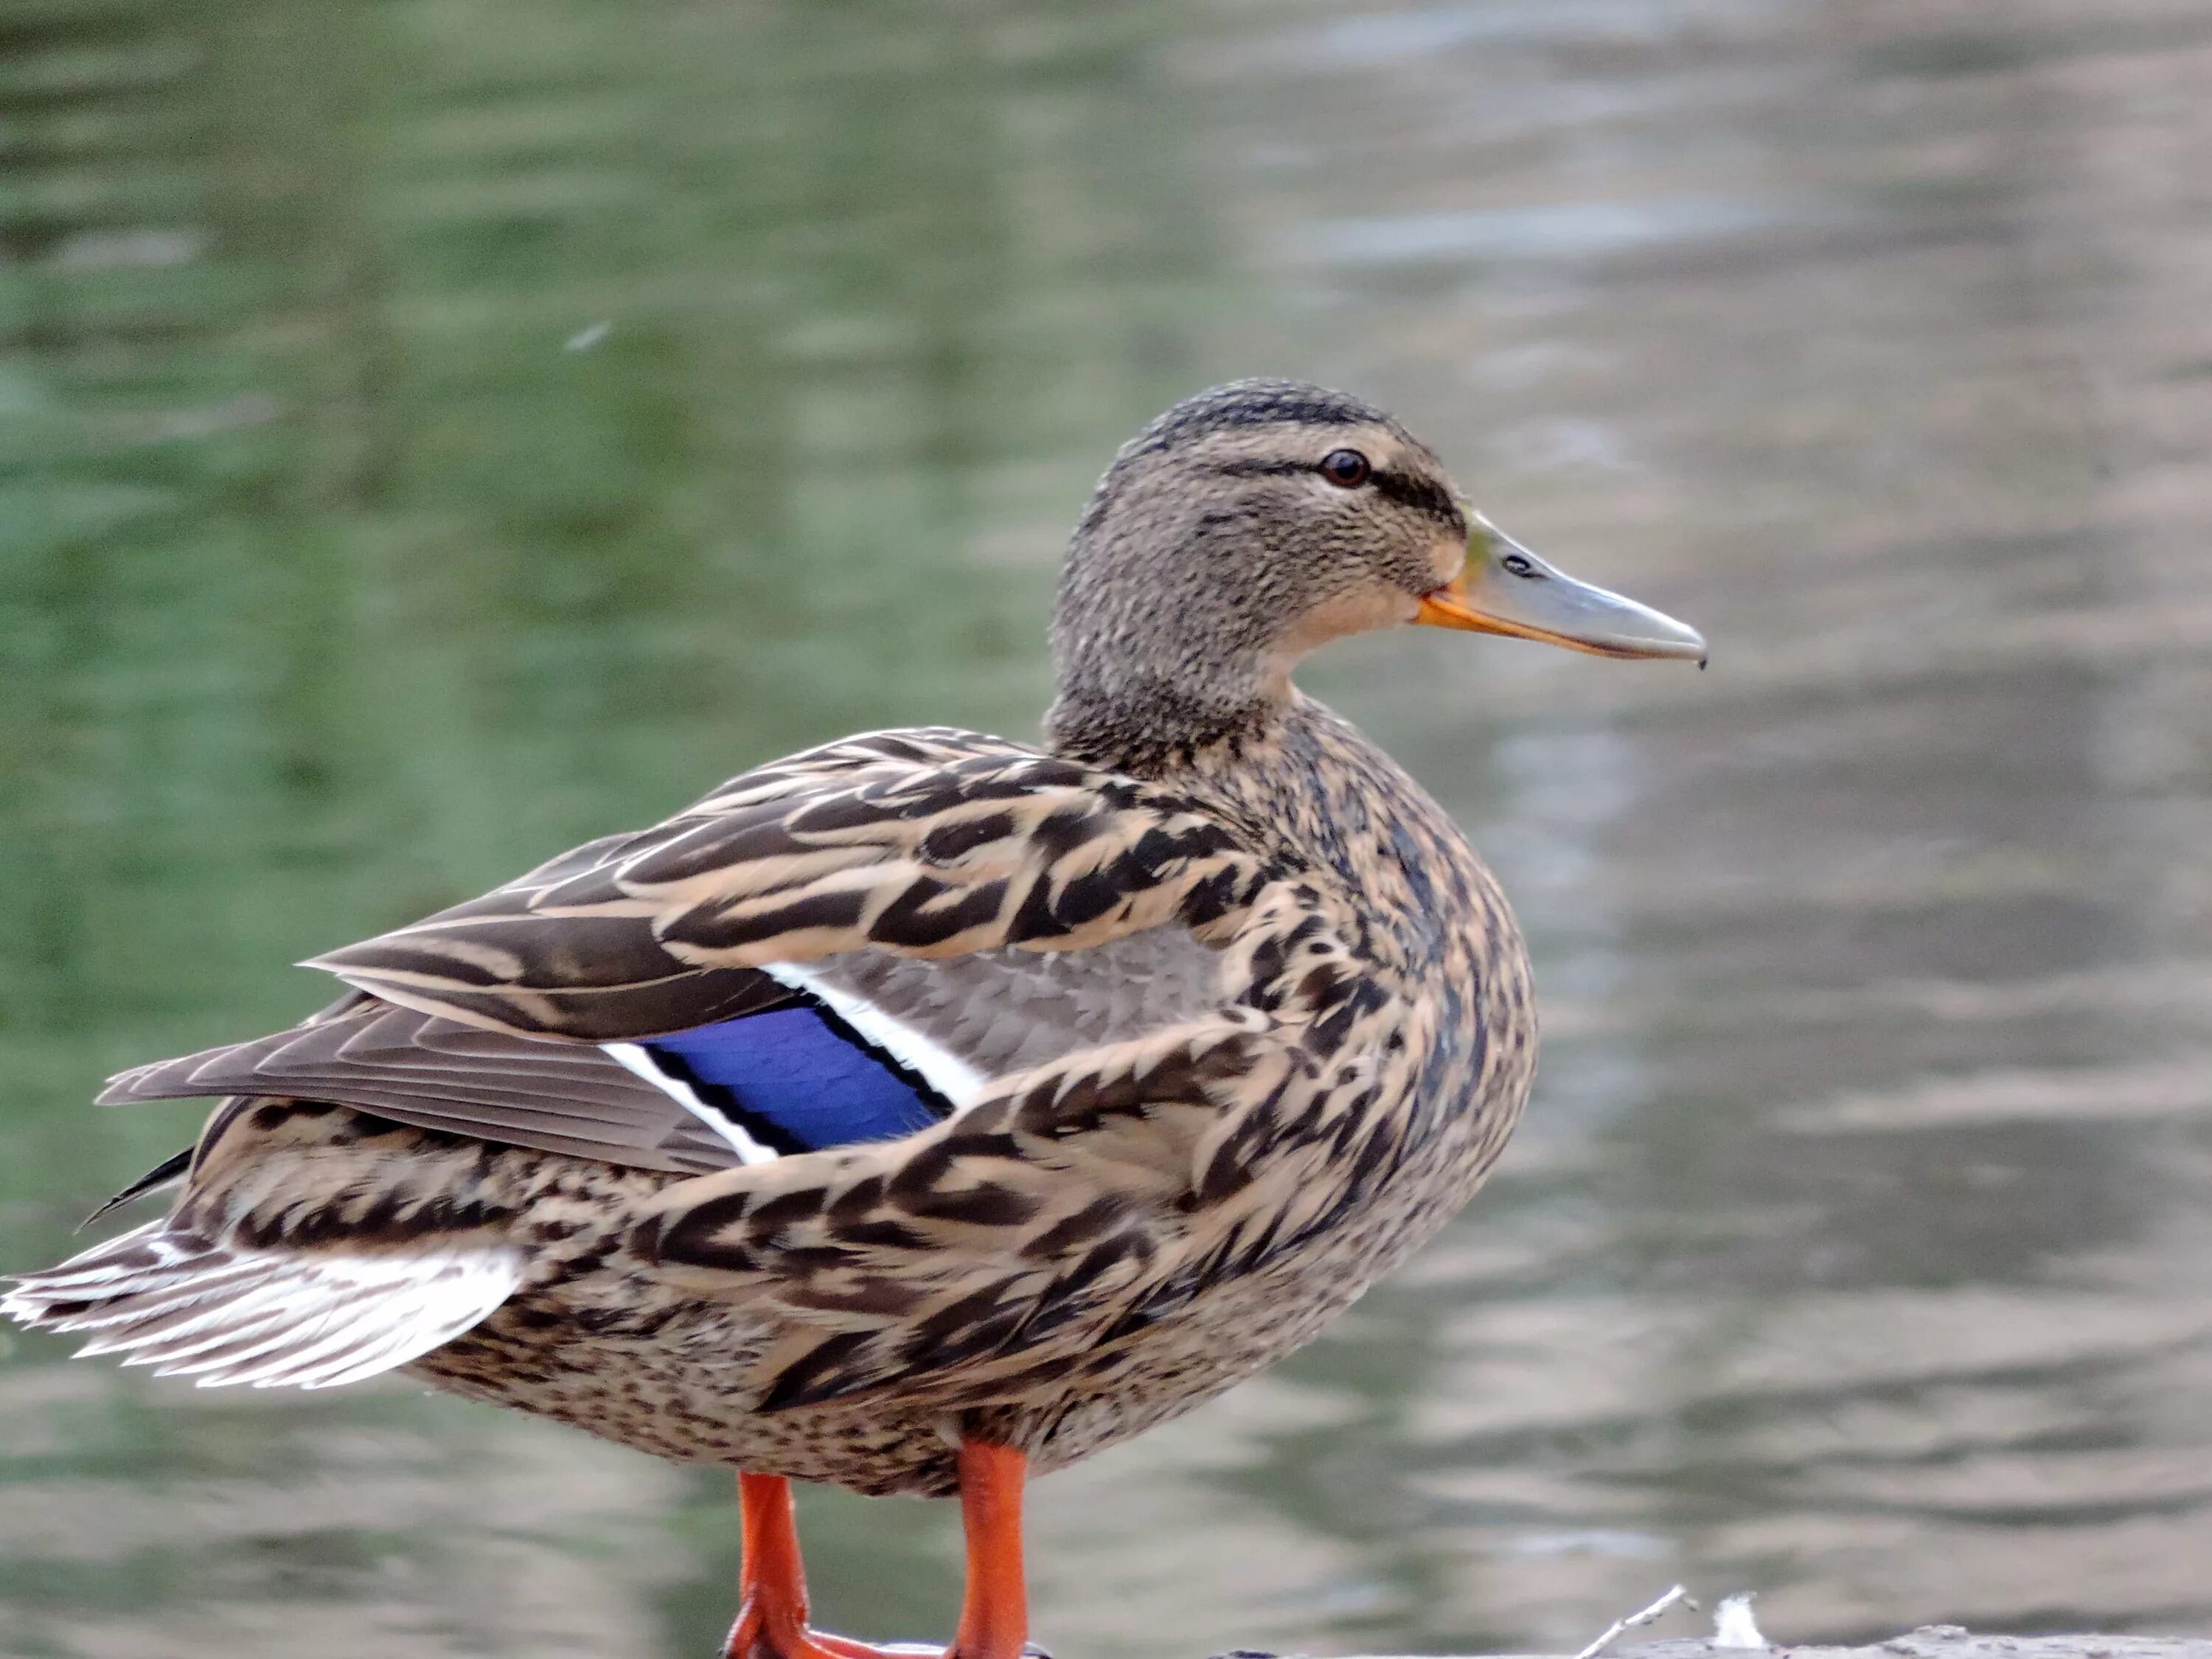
x=221 y=1313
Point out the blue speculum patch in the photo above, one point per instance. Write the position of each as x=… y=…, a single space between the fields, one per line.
x=798 y=1080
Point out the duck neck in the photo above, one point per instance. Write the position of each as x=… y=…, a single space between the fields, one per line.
x=1266 y=767
x=1155 y=728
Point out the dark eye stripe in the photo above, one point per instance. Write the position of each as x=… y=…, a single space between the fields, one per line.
x=1422 y=495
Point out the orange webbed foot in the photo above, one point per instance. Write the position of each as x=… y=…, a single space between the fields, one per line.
x=756 y=1636
x=994 y=1613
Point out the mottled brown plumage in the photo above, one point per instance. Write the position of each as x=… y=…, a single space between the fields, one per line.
x=1218 y=1013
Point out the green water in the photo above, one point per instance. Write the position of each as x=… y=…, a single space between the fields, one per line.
x=433 y=433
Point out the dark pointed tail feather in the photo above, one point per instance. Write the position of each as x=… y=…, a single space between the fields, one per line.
x=167 y=1173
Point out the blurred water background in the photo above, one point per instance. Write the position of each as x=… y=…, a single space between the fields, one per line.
x=438 y=431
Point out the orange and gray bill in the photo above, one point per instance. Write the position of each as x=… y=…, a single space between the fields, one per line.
x=1506 y=589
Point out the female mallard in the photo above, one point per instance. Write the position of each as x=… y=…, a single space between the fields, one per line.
x=924 y=1109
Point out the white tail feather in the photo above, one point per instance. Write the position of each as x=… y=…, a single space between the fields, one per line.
x=305 y=1318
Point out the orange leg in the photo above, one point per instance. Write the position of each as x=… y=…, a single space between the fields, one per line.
x=772 y=1581
x=994 y=1612
x=772 y=1584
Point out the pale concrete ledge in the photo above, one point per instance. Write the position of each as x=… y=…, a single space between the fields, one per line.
x=1948 y=1642
x=1928 y=1642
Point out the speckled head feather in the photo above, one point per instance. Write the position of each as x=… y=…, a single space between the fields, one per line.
x=1218 y=549
x=1258 y=402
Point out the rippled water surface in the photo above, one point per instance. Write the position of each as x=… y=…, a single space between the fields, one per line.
x=441 y=430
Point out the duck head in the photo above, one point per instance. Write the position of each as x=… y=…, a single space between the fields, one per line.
x=1259 y=519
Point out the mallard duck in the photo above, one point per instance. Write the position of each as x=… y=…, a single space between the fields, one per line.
x=926 y=1110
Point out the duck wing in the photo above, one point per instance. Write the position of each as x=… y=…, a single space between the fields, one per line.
x=980 y=1063
x=845 y=946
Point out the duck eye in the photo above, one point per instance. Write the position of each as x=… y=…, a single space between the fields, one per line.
x=1347 y=468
